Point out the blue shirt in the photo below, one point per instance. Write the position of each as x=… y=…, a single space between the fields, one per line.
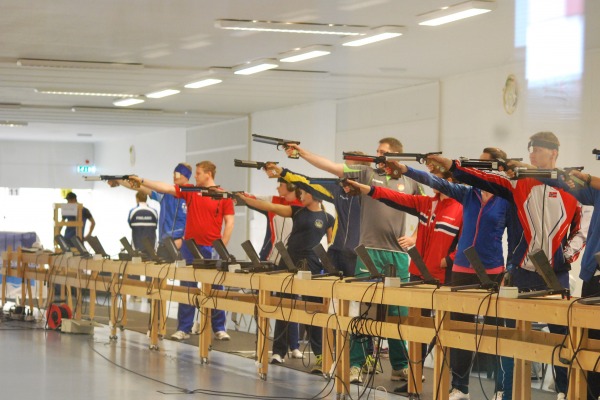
x=483 y=224
x=173 y=214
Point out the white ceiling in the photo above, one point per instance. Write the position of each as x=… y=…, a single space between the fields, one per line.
x=177 y=42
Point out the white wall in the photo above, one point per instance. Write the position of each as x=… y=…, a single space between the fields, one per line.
x=43 y=164
x=410 y=115
x=157 y=155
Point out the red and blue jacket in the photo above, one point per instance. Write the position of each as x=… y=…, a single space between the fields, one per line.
x=548 y=216
x=438 y=230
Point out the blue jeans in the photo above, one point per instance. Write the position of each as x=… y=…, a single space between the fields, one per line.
x=186 y=312
x=530 y=280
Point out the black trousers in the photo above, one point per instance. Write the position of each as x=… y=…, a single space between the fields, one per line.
x=461 y=360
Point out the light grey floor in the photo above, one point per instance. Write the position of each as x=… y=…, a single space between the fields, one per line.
x=42 y=364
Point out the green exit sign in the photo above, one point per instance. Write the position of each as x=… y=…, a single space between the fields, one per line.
x=86 y=169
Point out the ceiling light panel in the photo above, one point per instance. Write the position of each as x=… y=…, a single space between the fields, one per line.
x=291 y=27
x=255 y=67
x=127 y=102
x=38 y=63
x=162 y=93
x=13 y=124
x=305 y=53
x=203 y=83
x=377 y=35
x=456 y=12
x=82 y=93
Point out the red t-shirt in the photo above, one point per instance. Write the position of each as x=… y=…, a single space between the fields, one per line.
x=204 y=216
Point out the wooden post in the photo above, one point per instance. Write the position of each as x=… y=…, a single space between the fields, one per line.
x=204 y=319
x=262 y=324
x=522 y=369
x=441 y=363
x=415 y=386
x=577 y=376
x=342 y=353
x=5 y=267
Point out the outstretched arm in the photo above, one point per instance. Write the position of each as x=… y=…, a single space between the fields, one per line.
x=317 y=160
x=128 y=185
x=281 y=210
x=161 y=187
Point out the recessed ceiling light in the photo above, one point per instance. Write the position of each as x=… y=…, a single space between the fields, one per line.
x=203 y=83
x=291 y=27
x=456 y=12
x=305 y=53
x=127 y=102
x=255 y=66
x=28 y=62
x=84 y=135
x=162 y=93
x=82 y=93
x=377 y=35
x=13 y=124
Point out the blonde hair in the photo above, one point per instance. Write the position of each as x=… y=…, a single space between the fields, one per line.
x=395 y=144
x=208 y=166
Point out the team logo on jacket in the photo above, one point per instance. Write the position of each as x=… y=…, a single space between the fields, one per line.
x=319 y=223
x=552 y=195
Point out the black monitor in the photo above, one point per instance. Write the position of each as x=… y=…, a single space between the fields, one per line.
x=97 y=246
x=479 y=268
x=198 y=260
x=415 y=256
x=172 y=250
x=256 y=265
x=128 y=248
x=285 y=257
x=193 y=249
x=544 y=269
x=222 y=251
x=80 y=247
x=63 y=244
x=373 y=272
x=330 y=269
x=150 y=251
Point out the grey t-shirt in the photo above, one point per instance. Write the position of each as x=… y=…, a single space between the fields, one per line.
x=380 y=225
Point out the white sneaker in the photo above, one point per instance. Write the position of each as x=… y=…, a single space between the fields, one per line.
x=456 y=394
x=498 y=395
x=222 y=335
x=276 y=359
x=196 y=328
x=355 y=375
x=180 y=335
x=297 y=354
x=561 y=396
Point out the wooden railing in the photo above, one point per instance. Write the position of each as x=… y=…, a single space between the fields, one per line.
x=522 y=343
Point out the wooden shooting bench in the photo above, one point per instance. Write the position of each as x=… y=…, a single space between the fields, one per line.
x=521 y=343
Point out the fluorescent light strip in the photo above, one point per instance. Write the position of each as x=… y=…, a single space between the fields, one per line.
x=28 y=62
x=255 y=67
x=456 y=12
x=13 y=124
x=72 y=93
x=127 y=102
x=162 y=93
x=291 y=27
x=203 y=83
x=305 y=53
x=377 y=35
